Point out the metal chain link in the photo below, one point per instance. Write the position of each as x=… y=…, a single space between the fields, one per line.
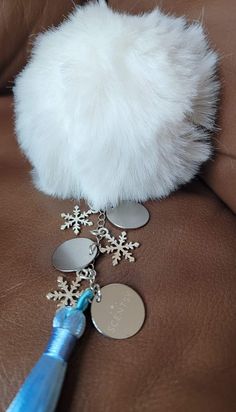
x=100 y=225
x=90 y=273
x=99 y=232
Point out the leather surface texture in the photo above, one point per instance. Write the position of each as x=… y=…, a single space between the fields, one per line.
x=20 y=22
x=183 y=359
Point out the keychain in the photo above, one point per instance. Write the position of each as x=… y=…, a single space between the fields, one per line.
x=117 y=311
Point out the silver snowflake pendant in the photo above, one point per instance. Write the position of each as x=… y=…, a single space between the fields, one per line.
x=67 y=293
x=118 y=247
x=76 y=219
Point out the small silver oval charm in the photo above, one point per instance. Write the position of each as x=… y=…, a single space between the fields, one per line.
x=120 y=313
x=74 y=254
x=128 y=215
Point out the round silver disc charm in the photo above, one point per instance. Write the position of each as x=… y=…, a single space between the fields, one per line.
x=74 y=254
x=128 y=215
x=120 y=313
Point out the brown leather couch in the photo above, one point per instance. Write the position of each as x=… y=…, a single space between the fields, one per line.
x=184 y=359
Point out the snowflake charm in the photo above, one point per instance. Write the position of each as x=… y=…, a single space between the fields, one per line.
x=120 y=248
x=68 y=294
x=76 y=220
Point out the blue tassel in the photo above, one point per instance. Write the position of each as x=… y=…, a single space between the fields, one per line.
x=41 y=389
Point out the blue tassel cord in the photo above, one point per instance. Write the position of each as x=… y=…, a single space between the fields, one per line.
x=42 y=387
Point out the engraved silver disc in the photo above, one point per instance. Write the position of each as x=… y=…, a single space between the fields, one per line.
x=128 y=215
x=120 y=313
x=74 y=254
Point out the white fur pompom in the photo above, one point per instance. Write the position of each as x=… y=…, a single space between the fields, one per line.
x=114 y=107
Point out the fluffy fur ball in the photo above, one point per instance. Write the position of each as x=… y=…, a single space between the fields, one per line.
x=115 y=107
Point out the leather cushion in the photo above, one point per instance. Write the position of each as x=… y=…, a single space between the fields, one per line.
x=20 y=22
x=184 y=357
